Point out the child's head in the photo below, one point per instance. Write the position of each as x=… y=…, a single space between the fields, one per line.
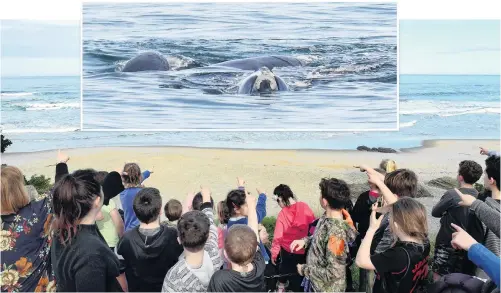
x=173 y=210
x=402 y=182
x=334 y=193
x=222 y=212
x=133 y=174
x=263 y=234
x=284 y=194
x=147 y=205
x=408 y=217
x=469 y=172
x=75 y=197
x=388 y=165
x=240 y=244
x=198 y=200
x=491 y=178
x=100 y=176
x=193 y=228
x=236 y=204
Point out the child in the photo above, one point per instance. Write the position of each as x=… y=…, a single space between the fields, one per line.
x=132 y=179
x=242 y=250
x=109 y=221
x=397 y=184
x=172 y=210
x=448 y=260
x=404 y=266
x=361 y=217
x=196 y=204
x=222 y=229
x=325 y=268
x=292 y=223
x=150 y=249
x=198 y=236
x=237 y=209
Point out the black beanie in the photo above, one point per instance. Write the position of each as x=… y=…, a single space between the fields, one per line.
x=112 y=186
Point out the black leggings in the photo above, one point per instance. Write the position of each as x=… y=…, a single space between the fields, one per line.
x=288 y=265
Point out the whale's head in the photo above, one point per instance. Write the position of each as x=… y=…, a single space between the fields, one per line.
x=262 y=81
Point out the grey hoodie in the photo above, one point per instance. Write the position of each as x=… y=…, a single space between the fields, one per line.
x=491 y=240
x=183 y=278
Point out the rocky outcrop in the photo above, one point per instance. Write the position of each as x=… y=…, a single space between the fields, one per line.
x=376 y=150
x=444 y=183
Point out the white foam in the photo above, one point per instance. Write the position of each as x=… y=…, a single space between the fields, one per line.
x=36 y=130
x=177 y=62
x=447 y=108
x=21 y=94
x=50 y=106
x=408 y=124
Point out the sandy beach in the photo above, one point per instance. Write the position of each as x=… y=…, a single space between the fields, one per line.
x=180 y=170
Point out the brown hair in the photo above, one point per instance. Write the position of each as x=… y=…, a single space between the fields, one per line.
x=133 y=177
x=14 y=194
x=222 y=211
x=73 y=197
x=410 y=216
x=240 y=244
x=173 y=209
x=402 y=182
x=388 y=165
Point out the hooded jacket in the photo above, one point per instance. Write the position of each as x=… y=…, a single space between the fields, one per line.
x=292 y=224
x=148 y=258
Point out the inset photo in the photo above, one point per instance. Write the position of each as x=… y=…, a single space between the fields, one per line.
x=246 y=66
x=40 y=75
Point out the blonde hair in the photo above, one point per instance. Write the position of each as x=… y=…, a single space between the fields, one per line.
x=14 y=194
x=410 y=216
x=388 y=165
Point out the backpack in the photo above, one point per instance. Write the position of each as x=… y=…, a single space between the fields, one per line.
x=456 y=283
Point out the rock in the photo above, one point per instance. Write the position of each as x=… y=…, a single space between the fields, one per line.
x=363 y=148
x=32 y=192
x=376 y=150
x=444 y=183
x=422 y=191
x=357 y=188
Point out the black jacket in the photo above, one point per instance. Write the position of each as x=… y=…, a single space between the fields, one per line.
x=148 y=259
x=86 y=264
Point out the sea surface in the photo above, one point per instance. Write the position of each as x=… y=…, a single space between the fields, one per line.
x=349 y=80
x=431 y=107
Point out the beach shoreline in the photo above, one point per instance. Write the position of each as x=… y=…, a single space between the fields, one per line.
x=179 y=170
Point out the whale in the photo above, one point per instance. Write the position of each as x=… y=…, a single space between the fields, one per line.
x=147 y=61
x=261 y=80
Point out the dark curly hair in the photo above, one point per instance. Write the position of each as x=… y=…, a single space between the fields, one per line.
x=471 y=171
x=193 y=228
x=492 y=169
x=284 y=192
x=336 y=192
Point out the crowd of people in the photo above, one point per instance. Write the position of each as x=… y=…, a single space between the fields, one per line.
x=76 y=238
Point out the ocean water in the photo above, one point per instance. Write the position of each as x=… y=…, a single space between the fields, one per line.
x=432 y=107
x=349 y=80
x=40 y=103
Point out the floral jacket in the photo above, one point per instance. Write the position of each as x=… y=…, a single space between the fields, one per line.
x=25 y=249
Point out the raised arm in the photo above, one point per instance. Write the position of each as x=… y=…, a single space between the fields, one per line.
x=61 y=166
x=487 y=215
x=211 y=246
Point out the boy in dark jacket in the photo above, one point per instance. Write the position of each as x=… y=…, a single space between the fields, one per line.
x=150 y=249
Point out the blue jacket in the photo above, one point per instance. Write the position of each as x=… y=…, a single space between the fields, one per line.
x=127 y=199
x=261 y=213
x=486 y=260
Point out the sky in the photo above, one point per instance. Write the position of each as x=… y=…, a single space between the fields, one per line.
x=450 y=47
x=40 y=47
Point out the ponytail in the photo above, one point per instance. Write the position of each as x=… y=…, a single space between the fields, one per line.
x=72 y=200
x=234 y=200
x=222 y=210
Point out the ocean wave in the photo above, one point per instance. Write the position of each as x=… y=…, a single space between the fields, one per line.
x=16 y=94
x=49 y=106
x=447 y=108
x=36 y=130
x=408 y=124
